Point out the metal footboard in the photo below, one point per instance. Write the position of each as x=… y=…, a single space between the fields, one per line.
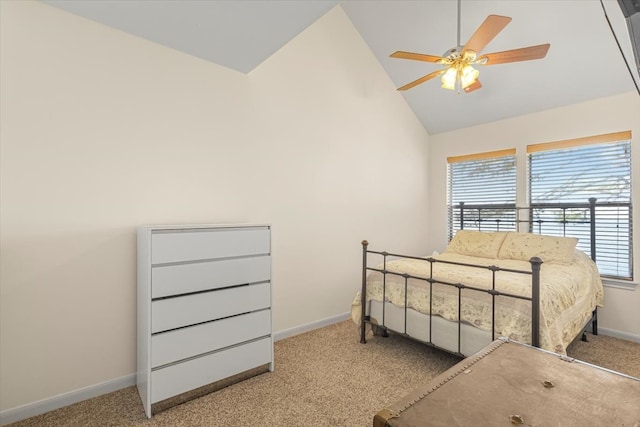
x=534 y=298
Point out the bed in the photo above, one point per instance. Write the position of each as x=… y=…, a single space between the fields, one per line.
x=507 y=383
x=531 y=288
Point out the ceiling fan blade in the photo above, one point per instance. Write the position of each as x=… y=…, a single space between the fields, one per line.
x=473 y=86
x=515 y=55
x=422 y=79
x=486 y=32
x=415 y=56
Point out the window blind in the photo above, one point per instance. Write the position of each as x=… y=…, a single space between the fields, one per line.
x=571 y=172
x=482 y=191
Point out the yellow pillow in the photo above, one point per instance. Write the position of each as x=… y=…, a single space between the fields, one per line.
x=524 y=246
x=476 y=243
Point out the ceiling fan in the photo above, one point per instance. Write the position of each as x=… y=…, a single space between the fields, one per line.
x=458 y=71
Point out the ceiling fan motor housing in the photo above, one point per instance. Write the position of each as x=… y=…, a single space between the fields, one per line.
x=453 y=53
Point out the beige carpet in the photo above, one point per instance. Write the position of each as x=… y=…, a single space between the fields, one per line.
x=322 y=378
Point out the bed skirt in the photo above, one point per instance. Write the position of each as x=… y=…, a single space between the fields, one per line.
x=443 y=333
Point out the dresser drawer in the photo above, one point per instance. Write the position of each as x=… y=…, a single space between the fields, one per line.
x=181 y=377
x=172 y=346
x=174 y=279
x=169 y=246
x=171 y=313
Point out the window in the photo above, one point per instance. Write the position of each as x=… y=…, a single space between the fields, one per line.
x=482 y=191
x=570 y=173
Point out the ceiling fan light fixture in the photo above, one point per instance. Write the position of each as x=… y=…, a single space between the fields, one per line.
x=449 y=78
x=468 y=75
x=464 y=75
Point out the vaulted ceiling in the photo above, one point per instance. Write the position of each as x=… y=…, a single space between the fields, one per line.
x=583 y=63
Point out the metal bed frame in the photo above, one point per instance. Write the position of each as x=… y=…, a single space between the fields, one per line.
x=478 y=220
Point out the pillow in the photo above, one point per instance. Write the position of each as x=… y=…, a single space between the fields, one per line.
x=476 y=243
x=524 y=246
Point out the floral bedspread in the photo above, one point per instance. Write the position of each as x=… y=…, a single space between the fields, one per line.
x=568 y=293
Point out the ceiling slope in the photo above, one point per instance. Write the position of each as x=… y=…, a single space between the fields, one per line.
x=583 y=63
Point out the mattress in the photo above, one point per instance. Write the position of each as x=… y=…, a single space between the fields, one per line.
x=507 y=383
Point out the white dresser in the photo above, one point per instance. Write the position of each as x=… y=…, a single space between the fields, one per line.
x=204 y=306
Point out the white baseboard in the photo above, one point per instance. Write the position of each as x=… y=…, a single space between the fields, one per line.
x=618 y=334
x=40 y=407
x=286 y=333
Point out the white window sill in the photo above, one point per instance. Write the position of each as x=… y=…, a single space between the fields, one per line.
x=608 y=282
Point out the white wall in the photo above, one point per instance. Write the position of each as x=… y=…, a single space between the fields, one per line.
x=102 y=132
x=621 y=312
